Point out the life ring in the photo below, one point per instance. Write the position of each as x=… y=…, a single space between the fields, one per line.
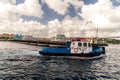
x=75 y=49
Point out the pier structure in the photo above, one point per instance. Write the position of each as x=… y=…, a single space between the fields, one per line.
x=40 y=37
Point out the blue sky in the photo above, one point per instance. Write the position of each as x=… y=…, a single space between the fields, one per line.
x=50 y=14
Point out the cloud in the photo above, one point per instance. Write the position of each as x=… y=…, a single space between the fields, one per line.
x=103 y=14
x=54 y=27
x=117 y=0
x=13 y=1
x=10 y=15
x=19 y=26
x=76 y=3
x=29 y=8
x=69 y=26
x=61 y=6
x=4 y=1
x=58 y=6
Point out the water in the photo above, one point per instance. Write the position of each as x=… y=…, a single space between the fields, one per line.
x=23 y=62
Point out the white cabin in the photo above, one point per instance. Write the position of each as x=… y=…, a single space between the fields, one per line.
x=80 y=47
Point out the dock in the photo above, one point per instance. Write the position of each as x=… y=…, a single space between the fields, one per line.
x=43 y=43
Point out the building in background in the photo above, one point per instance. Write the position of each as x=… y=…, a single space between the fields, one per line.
x=27 y=37
x=59 y=37
x=17 y=37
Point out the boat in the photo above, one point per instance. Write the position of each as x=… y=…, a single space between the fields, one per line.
x=84 y=48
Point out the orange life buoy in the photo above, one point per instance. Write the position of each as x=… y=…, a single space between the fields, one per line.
x=75 y=49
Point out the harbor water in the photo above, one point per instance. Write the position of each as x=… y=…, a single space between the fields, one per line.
x=23 y=62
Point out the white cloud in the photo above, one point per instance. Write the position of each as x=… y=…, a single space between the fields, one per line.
x=57 y=5
x=4 y=1
x=8 y=1
x=103 y=14
x=61 y=6
x=29 y=8
x=100 y=13
x=54 y=27
x=117 y=0
x=13 y=1
x=69 y=26
x=10 y=16
x=76 y=3
x=19 y=26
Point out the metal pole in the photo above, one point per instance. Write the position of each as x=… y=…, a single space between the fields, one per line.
x=77 y=30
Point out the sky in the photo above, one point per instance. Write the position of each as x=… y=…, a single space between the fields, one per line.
x=47 y=18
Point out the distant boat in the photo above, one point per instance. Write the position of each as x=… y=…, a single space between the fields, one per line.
x=80 y=47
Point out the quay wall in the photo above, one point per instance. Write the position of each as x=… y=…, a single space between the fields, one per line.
x=46 y=43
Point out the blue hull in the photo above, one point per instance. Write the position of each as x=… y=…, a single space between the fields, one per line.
x=96 y=50
x=66 y=52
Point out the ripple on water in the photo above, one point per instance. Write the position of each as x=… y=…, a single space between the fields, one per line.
x=22 y=62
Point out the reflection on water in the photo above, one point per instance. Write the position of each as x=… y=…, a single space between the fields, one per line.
x=22 y=62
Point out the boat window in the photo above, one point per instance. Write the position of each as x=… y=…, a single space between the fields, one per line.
x=79 y=44
x=89 y=44
x=85 y=44
x=73 y=43
x=68 y=44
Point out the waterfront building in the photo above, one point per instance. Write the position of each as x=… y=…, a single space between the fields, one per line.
x=59 y=37
x=17 y=37
x=27 y=37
